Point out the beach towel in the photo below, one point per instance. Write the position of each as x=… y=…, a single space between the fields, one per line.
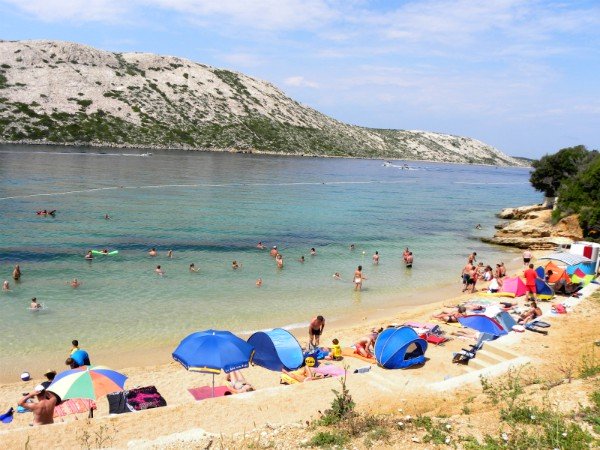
x=286 y=379
x=7 y=417
x=329 y=370
x=428 y=326
x=203 y=392
x=74 y=406
x=349 y=351
x=144 y=398
x=433 y=338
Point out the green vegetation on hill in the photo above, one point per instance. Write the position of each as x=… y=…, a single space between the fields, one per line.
x=572 y=174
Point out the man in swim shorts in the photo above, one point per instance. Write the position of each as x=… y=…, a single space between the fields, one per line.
x=43 y=410
x=315 y=330
x=530 y=277
x=527 y=257
x=409 y=260
x=376 y=258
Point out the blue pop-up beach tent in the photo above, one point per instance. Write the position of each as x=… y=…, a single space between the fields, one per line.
x=276 y=349
x=483 y=324
x=543 y=289
x=399 y=348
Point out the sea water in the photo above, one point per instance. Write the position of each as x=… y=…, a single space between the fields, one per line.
x=211 y=209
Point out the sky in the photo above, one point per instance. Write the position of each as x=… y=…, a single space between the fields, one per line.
x=521 y=75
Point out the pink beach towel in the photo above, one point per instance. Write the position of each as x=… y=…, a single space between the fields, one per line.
x=202 y=392
x=329 y=370
x=427 y=326
x=74 y=406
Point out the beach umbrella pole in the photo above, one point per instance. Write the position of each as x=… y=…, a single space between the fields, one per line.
x=213 y=386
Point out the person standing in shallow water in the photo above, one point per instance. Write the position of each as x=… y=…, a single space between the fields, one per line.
x=409 y=260
x=376 y=258
x=16 y=273
x=358 y=278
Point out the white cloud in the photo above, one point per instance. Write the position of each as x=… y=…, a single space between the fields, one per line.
x=300 y=81
x=78 y=10
x=243 y=59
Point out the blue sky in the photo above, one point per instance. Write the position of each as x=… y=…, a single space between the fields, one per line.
x=523 y=76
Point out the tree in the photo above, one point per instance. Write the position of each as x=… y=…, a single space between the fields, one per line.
x=581 y=195
x=550 y=171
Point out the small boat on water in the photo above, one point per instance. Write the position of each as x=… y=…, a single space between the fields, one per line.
x=146 y=154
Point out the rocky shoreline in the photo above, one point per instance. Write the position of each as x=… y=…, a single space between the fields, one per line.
x=531 y=227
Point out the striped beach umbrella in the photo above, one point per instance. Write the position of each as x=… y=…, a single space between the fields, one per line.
x=87 y=382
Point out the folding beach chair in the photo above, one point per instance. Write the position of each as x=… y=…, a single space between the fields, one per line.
x=465 y=355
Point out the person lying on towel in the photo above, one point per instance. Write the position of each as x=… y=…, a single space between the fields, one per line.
x=365 y=346
x=237 y=383
x=301 y=375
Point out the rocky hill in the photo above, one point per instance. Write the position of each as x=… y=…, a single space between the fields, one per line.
x=60 y=92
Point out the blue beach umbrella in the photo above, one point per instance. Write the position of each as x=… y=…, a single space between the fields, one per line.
x=211 y=351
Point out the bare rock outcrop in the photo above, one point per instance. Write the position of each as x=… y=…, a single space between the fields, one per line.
x=533 y=228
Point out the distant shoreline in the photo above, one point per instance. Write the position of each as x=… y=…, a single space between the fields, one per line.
x=234 y=151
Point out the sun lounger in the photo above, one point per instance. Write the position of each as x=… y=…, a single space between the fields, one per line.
x=74 y=406
x=203 y=392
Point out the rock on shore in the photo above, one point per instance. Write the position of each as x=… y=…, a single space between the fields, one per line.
x=531 y=227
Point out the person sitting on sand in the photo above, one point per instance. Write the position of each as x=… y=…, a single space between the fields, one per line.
x=237 y=382
x=302 y=374
x=451 y=316
x=530 y=315
x=153 y=252
x=495 y=285
x=89 y=256
x=43 y=410
x=335 y=352
x=34 y=304
x=365 y=346
x=193 y=268
x=5 y=286
x=159 y=271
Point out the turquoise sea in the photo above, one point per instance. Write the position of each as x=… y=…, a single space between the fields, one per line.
x=211 y=209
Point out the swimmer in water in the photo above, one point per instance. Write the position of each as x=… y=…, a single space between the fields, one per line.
x=193 y=268
x=16 y=273
x=260 y=245
x=106 y=217
x=478 y=227
x=273 y=251
x=313 y=252
x=153 y=252
x=34 y=304
x=89 y=255
x=337 y=276
x=105 y=251
x=409 y=260
x=74 y=283
x=279 y=261
x=376 y=258
x=159 y=271
x=5 y=286
x=170 y=254
x=235 y=265
x=301 y=259
x=259 y=282
x=352 y=247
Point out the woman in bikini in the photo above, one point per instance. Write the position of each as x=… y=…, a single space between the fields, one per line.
x=358 y=278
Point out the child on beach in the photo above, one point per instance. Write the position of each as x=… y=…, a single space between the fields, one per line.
x=336 y=350
x=74 y=346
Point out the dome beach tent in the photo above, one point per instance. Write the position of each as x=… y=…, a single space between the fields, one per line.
x=276 y=349
x=483 y=324
x=543 y=290
x=512 y=287
x=399 y=348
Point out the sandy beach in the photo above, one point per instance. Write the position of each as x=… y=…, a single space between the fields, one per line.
x=274 y=404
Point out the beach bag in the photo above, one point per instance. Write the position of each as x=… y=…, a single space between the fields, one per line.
x=559 y=309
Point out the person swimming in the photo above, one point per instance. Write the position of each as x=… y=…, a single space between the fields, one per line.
x=159 y=271
x=235 y=265
x=259 y=282
x=34 y=304
x=279 y=260
x=5 y=286
x=16 y=273
x=337 y=276
x=376 y=258
x=106 y=217
x=89 y=255
x=193 y=268
x=313 y=252
x=301 y=259
x=153 y=252
x=260 y=246
x=74 y=283
x=170 y=254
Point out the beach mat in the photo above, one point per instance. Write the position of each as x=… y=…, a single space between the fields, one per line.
x=330 y=370
x=349 y=351
x=74 y=406
x=204 y=392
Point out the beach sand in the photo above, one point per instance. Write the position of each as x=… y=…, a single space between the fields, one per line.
x=379 y=390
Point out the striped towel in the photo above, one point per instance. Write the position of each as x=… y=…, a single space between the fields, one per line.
x=74 y=406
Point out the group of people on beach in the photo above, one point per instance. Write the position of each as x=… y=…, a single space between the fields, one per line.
x=474 y=271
